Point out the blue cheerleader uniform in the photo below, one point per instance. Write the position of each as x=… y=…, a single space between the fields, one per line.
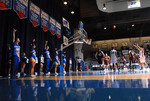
x=47 y=61
x=33 y=55
x=15 y=59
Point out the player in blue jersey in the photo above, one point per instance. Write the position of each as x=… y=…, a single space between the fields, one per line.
x=64 y=64
x=56 y=62
x=15 y=55
x=33 y=59
x=47 y=58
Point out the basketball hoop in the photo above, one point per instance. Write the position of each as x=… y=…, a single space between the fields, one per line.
x=87 y=41
x=80 y=36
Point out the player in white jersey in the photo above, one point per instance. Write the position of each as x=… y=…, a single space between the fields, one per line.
x=113 y=55
x=141 y=55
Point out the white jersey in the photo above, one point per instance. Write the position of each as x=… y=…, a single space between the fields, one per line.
x=142 y=56
x=70 y=62
x=113 y=56
x=42 y=59
x=79 y=60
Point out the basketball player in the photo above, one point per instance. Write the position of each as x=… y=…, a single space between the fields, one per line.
x=47 y=60
x=15 y=55
x=106 y=61
x=70 y=64
x=113 y=54
x=141 y=55
x=9 y=59
x=124 y=62
x=100 y=57
x=131 y=58
x=78 y=65
x=23 y=63
x=64 y=64
x=56 y=62
x=33 y=59
x=41 y=64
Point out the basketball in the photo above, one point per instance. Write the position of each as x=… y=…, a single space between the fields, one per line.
x=114 y=27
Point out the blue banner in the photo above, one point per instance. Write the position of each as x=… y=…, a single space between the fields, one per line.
x=58 y=29
x=5 y=4
x=52 y=25
x=65 y=23
x=44 y=21
x=21 y=8
x=34 y=14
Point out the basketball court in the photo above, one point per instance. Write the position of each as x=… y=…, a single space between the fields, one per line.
x=89 y=85
x=74 y=50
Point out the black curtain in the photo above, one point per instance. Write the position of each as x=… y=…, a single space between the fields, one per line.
x=26 y=32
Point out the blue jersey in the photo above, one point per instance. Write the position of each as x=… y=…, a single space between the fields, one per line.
x=47 y=54
x=64 y=60
x=16 y=49
x=33 y=54
x=86 y=63
x=56 y=58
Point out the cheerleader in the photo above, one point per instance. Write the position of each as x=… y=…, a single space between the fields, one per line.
x=15 y=55
x=9 y=59
x=33 y=59
x=141 y=56
x=47 y=59
x=41 y=64
x=23 y=63
x=64 y=64
x=56 y=62
x=106 y=61
x=70 y=64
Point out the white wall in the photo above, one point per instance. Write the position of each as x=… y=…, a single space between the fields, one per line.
x=117 y=6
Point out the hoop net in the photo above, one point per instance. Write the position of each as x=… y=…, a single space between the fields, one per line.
x=87 y=41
